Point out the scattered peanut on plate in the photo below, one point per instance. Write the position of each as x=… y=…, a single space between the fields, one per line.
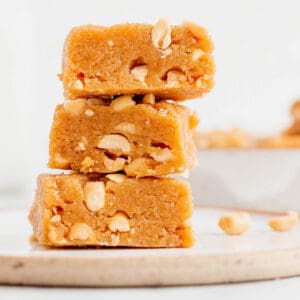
x=285 y=222
x=236 y=223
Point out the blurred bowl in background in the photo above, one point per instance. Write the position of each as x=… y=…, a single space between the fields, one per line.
x=250 y=179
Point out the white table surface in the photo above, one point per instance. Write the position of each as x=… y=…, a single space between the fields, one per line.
x=277 y=289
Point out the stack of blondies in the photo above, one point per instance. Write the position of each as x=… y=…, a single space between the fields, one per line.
x=121 y=133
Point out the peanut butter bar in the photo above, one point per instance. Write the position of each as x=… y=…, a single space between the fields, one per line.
x=115 y=210
x=170 y=62
x=142 y=138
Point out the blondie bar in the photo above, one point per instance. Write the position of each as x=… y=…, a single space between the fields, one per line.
x=170 y=62
x=112 y=210
x=142 y=138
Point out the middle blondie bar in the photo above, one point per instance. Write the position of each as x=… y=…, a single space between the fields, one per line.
x=142 y=138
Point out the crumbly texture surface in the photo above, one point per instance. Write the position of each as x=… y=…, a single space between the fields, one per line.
x=170 y=62
x=220 y=139
x=141 y=139
x=81 y=210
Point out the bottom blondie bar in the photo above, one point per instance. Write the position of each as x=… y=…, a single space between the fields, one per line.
x=112 y=210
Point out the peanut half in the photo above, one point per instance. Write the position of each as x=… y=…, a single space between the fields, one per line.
x=163 y=156
x=175 y=78
x=74 y=106
x=118 y=178
x=80 y=231
x=114 y=165
x=115 y=142
x=126 y=127
x=139 y=73
x=161 y=34
x=119 y=222
x=56 y=237
x=286 y=222
x=122 y=102
x=94 y=193
x=236 y=223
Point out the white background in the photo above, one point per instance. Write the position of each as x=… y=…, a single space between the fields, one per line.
x=257 y=52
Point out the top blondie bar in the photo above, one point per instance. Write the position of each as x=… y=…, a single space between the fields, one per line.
x=171 y=62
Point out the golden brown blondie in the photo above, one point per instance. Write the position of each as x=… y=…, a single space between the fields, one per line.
x=170 y=62
x=140 y=138
x=112 y=210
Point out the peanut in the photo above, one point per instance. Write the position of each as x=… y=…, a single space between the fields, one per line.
x=236 y=223
x=286 y=222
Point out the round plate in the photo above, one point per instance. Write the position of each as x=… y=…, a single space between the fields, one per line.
x=216 y=258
